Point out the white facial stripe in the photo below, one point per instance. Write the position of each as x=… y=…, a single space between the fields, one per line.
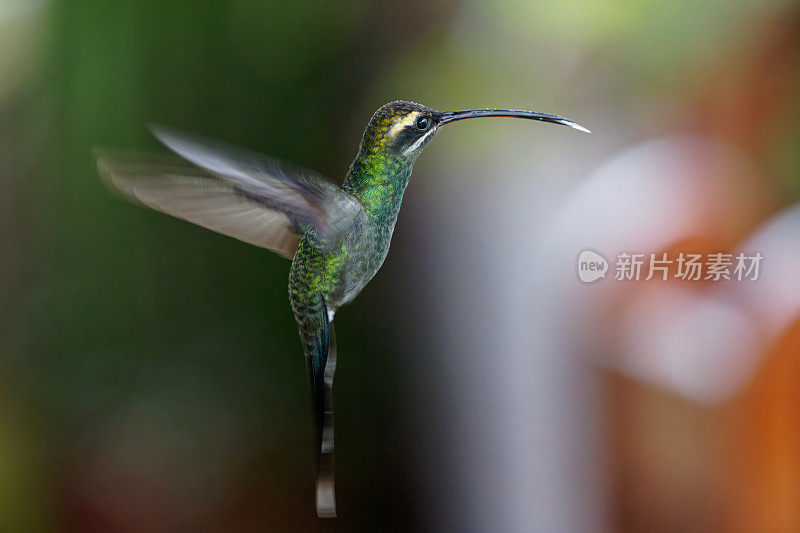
x=419 y=141
x=398 y=126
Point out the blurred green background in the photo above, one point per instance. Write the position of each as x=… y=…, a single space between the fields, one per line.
x=152 y=378
x=153 y=373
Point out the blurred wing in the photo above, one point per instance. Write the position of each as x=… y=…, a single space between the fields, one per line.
x=174 y=187
x=231 y=190
x=307 y=198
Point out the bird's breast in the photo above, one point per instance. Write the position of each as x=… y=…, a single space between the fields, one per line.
x=366 y=253
x=341 y=269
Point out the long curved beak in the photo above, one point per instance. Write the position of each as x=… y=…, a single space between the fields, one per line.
x=452 y=116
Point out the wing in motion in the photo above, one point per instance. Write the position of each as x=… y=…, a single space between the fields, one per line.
x=230 y=190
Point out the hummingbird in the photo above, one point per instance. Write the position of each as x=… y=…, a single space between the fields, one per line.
x=336 y=236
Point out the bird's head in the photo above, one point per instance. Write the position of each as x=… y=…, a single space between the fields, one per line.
x=403 y=129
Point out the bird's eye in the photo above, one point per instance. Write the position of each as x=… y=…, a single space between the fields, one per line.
x=423 y=123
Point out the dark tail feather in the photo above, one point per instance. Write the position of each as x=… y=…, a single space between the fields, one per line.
x=326 y=493
x=321 y=367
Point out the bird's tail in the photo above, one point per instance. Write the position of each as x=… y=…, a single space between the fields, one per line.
x=320 y=347
x=326 y=495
